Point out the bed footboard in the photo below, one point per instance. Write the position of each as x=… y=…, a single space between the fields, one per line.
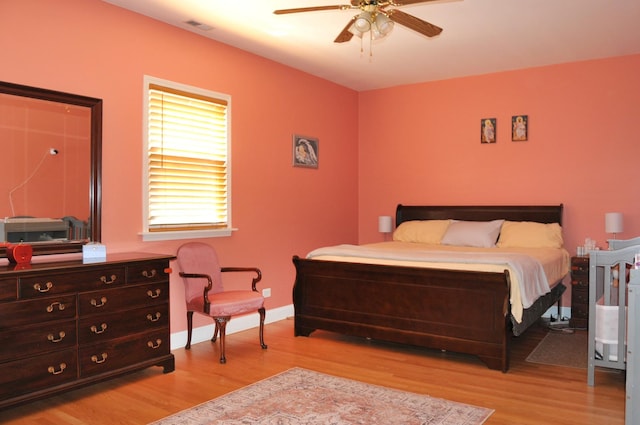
x=453 y=310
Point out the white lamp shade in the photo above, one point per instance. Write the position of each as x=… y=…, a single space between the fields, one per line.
x=385 y=224
x=613 y=222
x=363 y=22
x=383 y=24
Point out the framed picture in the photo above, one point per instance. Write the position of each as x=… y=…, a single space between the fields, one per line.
x=519 y=128
x=305 y=151
x=488 y=130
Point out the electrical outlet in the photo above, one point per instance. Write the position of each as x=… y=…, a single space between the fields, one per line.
x=266 y=292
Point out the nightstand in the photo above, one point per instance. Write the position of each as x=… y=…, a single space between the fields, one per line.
x=579 y=292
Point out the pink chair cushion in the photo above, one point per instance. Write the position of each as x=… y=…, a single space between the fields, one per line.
x=228 y=303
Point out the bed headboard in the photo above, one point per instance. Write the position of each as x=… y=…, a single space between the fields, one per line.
x=537 y=213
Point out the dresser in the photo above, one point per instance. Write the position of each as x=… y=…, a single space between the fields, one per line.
x=68 y=324
x=579 y=292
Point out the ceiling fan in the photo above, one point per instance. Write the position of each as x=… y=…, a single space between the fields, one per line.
x=377 y=16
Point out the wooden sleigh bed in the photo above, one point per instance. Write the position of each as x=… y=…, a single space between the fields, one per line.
x=454 y=310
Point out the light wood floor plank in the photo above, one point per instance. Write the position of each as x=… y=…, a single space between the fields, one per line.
x=528 y=394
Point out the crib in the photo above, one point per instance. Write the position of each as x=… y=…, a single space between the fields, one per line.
x=632 y=403
x=608 y=290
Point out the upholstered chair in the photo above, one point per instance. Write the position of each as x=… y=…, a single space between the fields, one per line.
x=204 y=293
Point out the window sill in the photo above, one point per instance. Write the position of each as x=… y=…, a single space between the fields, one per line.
x=186 y=234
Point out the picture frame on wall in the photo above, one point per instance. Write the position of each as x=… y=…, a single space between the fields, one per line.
x=519 y=128
x=305 y=151
x=488 y=130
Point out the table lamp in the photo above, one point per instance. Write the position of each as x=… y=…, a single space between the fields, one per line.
x=385 y=225
x=613 y=223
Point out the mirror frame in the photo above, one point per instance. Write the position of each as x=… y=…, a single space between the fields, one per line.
x=95 y=186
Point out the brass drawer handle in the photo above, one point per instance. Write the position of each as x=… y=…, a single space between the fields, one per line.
x=94 y=302
x=52 y=307
x=52 y=370
x=155 y=345
x=97 y=360
x=52 y=337
x=150 y=274
x=154 y=317
x=95 y=330
x=47 y=286
x=154 y=294
x=104 y=280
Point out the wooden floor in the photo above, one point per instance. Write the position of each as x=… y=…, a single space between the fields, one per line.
x=527 y=394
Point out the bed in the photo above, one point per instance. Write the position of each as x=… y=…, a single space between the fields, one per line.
x=453 y=309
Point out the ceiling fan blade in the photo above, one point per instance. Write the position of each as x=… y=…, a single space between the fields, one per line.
x=312 y=9
x=413 y=23
x=345 y=35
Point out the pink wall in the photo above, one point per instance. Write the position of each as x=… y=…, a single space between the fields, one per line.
x=582 y=151
x=93 y=48
x=424 y=148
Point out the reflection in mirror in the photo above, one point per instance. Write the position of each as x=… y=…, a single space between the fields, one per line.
x=50 y=193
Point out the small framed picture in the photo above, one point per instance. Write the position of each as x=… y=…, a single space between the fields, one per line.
x=305 y=151
x=519 y=128
x=488 y=130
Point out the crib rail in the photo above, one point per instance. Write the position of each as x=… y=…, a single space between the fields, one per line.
x=632 y=402
x=608 y=283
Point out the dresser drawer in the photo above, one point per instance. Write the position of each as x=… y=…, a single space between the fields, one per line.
x=60 y=283
x=8 y=289
x=37 y=373
x=107 y=301
x=580 y=265
x=115 y=325
x=580 y=295
x=37 y=311
x=577 y=282
x=151 y=271
x=119 y=353
x=38 y=339
x=580 y=311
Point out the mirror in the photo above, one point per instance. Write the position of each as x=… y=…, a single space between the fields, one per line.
x=51 y=162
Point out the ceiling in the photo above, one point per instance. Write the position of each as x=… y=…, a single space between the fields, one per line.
x=479 y=36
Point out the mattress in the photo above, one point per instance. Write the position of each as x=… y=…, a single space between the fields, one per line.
x=533 y=271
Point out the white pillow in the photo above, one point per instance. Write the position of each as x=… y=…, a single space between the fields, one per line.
x=528 y=234
x=421 y=231
x=481 y=234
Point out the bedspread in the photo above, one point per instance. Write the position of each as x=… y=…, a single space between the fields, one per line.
x=530 y=269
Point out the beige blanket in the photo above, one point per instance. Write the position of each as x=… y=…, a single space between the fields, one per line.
x=531 y=270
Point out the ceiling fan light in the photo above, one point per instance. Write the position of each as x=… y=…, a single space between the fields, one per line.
x=353 y=30
x=363 y=22
x=383 y=24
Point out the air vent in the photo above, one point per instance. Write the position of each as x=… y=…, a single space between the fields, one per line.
x=199 y=25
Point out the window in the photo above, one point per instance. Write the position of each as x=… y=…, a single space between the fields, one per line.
x=187 y=165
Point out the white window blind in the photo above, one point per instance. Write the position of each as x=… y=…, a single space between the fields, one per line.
x=187 y=148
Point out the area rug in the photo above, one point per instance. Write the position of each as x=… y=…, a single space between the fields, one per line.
x=300 y=396
x=562 y=349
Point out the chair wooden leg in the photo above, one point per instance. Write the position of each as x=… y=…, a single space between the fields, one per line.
x=261 y=311
x=215 y=332
x=189 y=329
x=221 y=323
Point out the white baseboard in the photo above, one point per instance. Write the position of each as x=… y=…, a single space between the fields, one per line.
x=236 y=324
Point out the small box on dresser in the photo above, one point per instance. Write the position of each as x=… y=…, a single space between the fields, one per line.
x=579 y=292
x=68 y=324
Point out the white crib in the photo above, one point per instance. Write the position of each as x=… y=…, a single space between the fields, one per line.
x=608 y=282
x=632 y=402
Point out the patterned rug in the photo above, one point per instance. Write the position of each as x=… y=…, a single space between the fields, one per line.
x=300 y=396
